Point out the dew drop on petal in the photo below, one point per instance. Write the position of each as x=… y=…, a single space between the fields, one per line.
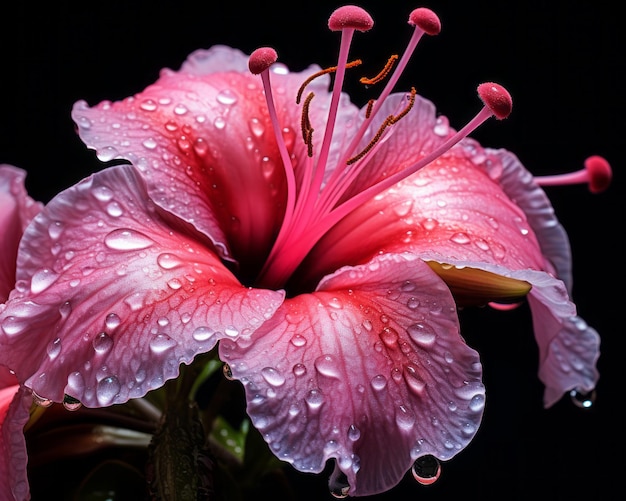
x=405 y=417
x=202 y=333
x=102 y=343
x=354 y=433
x=127 y=240
x=273 y=376
x=379 y=382
x=327 y=366
x=161 y=343
x=108 y=388
x=226 y=97
x=299 y=370
x=54 y=348
x=112 y=321
x=42 y=279
x=422 y=334
x=426 y=469
x=314 y=398
x=298 y=340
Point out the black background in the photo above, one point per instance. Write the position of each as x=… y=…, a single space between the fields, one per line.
x=562 y=62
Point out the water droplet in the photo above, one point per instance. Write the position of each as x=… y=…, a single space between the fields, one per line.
x=413 y=303
x=413 y=380
x=460 y=238
x=71 y=404
x=379 y=382
x=180 y=109
x=389 y=336
x=76 y=383
x=405 y=417
x=477 y=403
x=134 y=301
x=112 y=321
x=41 y=280
x=219 y=123
x=584 y=400
x=127 y=240
x=107 y=154
x=299 y=370
x=41 y=401
x=161 y=343
x=150 y=143
x=441 y=126
x=54 y=348
x=338 y=485
x=148 y=105
x=203 y=333
x=426 y=469
x=107 y=389
x=422 y=334
x=272 y=376
x=231 y=331
x=327 y=366
x=314 y=398
x=102 y=343
x=354 y=433
x=227 y=97
x=174 y=284
x=228 y=373
x=55 y=229
x=298 y=340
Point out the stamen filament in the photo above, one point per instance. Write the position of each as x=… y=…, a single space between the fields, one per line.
x=597 y=173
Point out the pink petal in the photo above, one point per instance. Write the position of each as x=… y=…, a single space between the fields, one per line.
x=451 y=206
x=15 y=404
x=113 y=294
x=16 y=211
x=370 y=370
x=205 y=134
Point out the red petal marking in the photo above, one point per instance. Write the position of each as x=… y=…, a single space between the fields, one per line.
x=426 y=20
x=600 y=173
x=350 y=16
x=496 y=98
x=261 y=59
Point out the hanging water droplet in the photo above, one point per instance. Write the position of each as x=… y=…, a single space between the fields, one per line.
x=42 y=279
x=228 y=373
x=76 y=383
x=71 y=404
x=584 y=400
x=41 y=401
x=102 y=343
x=272 y=376
x=127 y=240
x=426 y=469
x=354 y=433
x=338 y=485
x=327 y=366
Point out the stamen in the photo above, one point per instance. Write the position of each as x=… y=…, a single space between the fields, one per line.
x=261 y=59
x=305 y=124
x=382 y=74
x=325 y=71
x=370 y=105
x=390 y=120
x=597 y=173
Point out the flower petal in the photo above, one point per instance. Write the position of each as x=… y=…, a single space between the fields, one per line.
x=16 y=211
x=113 y=294
x=370 y=370
x=15 y=404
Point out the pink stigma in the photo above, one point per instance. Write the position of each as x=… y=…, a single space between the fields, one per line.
x=261 y=59
x=426 y=20
x=496 y=98
x=350 y=16
x=597 y=174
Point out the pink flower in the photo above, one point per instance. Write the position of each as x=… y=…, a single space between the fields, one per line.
x=16 y=211
x=325 y=247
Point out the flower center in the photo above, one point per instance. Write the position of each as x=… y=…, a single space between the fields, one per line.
x=317 y=200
